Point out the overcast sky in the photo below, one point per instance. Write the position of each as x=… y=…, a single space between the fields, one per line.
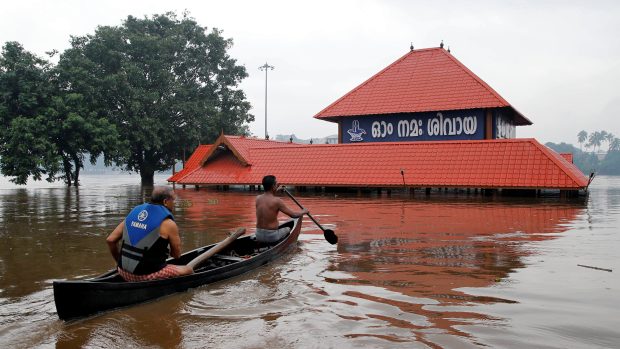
x=557 y=62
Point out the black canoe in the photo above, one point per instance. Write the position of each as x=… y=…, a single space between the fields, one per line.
x=79 y=298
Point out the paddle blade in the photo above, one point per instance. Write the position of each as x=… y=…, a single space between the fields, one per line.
x=330 y=236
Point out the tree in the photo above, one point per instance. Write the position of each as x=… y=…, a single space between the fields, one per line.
x=614 y=145
x=610 y=139
x=166 y=84
x=24 y=96
x=45 y=130
x=76 y=132
x=595 y=140
x=586 y=162
x=611 y=164
x=582 y=136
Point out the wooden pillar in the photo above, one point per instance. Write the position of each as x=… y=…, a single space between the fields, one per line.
x=488 y=125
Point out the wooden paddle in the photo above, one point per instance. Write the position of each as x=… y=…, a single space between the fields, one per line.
x=329 y=234
x=215 y=249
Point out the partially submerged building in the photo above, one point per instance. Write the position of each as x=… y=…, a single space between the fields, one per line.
x=425 y=121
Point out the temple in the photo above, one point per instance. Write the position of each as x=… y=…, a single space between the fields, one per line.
x=423 y=122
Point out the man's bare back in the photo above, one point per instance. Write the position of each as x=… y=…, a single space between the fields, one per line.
x=268 y=206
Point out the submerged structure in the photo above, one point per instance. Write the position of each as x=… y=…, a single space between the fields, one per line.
x=425 y=121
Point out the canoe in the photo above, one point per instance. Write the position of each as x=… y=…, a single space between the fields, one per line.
x=80 y=298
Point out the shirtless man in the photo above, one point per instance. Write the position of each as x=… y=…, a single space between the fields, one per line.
x=267 y=208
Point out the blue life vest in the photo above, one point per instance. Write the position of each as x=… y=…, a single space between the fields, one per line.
x=143 y=251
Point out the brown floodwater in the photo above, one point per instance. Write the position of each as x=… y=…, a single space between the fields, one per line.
x=445 y=271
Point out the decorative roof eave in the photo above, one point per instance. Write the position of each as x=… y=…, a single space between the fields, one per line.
x=223 y=140
x=519 y=119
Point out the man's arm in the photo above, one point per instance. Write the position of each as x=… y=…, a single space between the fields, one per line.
x=170 y=230
x=113 y=239
x=283 y=208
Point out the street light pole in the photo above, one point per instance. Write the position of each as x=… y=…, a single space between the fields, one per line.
x=266 y=68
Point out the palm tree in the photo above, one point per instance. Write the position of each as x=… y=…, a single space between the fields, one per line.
x=610 y=138
x=614 y=145
x=581 y=137
x=595 y=139
x=603 y=136
x=592 y=141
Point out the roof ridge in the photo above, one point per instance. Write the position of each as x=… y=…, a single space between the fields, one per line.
x=188 y=173
x=367 y=144
x=478 y=79
x=484 y=84
x=411 y=84
x=223 y=139
x=368 y=80
x=255 y=139
x=558 y=160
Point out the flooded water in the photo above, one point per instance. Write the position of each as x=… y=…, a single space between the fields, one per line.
x=445 y=271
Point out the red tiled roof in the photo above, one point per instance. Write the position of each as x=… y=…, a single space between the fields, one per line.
x=239 y=146
x=420 y=81
x=506 y=163
x=567 y=156
x=192 y=163
x=244 y=144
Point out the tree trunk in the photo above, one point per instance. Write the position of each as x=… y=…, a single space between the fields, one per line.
x=147 y=172
x=76 y=182
x=76 y=174
x=147 y=177
x=68 y=173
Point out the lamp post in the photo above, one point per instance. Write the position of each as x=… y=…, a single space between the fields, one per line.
x=266 y=68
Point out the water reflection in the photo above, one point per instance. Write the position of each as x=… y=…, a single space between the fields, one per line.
x=428 y=250
x=446 y=271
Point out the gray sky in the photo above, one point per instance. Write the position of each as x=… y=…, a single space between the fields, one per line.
x=557 y=62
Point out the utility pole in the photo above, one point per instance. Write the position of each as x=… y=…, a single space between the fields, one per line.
x=266 y=68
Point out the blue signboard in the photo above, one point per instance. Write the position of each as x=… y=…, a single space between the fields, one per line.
x=430 y=126
x=503 y=127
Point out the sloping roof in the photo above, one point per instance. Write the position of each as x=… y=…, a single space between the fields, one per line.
x=194 y=161
x=239 y=146
x=568 y=157
x=244 y=144
x=420 y=81
x=506 y=163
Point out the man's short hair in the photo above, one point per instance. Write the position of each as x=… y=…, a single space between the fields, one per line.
x=160 y=194
x=268 y=182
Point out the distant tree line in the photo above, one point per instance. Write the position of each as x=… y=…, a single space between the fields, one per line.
x=588 y=161
x=142 y=95
x=595 y=139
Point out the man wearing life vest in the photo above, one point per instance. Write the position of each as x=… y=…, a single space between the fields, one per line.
x=149 y=235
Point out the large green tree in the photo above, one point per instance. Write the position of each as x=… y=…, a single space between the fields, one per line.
x=24 y=96
x=165 y=82
x=45 y=128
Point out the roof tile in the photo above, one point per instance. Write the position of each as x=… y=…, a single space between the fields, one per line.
x=420 y=81
x=508 y=163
